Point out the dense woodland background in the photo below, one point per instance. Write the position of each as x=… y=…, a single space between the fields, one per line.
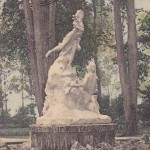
x=116 y=34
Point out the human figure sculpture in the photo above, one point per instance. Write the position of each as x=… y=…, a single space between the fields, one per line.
x=87 y=89
x=70 y=43
x=70 y=100
x=67 y=48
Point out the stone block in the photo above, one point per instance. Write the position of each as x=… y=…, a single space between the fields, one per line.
x=62 y=137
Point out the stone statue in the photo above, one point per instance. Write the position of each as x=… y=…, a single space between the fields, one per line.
x=70 y=100
x=71 y=42
x=87 y=89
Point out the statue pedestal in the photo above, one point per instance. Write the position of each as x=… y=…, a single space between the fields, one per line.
x=63 y=137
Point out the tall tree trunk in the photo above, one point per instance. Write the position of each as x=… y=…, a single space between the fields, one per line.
x=52 y=15
x=128 y=74
x=45 y=24
x=41 y=48
x=40 y=34
x=22 y=88
x=5 y=93
x=98 y=71
x=132 y=59
x=122 y=63
x=1 y=95
x=32 y=51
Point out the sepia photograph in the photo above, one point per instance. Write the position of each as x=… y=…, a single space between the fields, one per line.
x=74 y=74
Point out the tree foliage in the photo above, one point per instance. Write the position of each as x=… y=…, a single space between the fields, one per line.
x=144 y=107
x=127 y=71
x=145 y=29
x=5 y=117
x=25 y=116
x=13 y=41
x=143 y=44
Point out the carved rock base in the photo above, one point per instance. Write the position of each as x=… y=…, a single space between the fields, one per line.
x=63 y=137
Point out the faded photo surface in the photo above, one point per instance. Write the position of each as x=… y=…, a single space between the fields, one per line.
x=74 y=74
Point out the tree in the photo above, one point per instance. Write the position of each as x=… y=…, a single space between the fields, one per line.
x=21 y=84
x=100 y=29
x=117 y=112
x=41 y=37
x=13 y=49
x=144 y=89
x=25 y=116
x=127 y=71
x=12 y=35
x=144 y=107
x=40 y=32
x=1 y=93
x=40 y=27
x=98 y=71
x=5 y=117
x=132 y=68
x=143 y=39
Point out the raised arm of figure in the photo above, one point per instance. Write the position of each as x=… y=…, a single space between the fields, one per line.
x=61 y=45
x=57 y=48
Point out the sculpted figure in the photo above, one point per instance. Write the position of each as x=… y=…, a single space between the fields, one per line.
x=61 y=72
x=86 y=89
x=70 y=100
x=70 y=43
x=90 y=80
x=91 y=86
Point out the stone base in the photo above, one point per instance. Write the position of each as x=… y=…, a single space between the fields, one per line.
x=63 y=137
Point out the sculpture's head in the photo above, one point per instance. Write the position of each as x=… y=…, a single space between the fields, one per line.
x=78 y=19
x=91 y=67
x=79 y=14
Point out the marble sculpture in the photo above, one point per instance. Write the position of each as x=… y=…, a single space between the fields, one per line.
x=69 y=99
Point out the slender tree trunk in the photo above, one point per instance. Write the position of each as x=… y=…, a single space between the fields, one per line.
x=128 y=74
x=40 y=34
x=41 y=48
x=1 y=95
x=5 y=93
x=52 y=15
x=122 y=63
x=45 y=24
x=22 y=89
x=98 y=71
x=32 y=51
x=132 y=59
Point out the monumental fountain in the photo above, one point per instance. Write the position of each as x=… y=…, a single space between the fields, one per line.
x=71 y=111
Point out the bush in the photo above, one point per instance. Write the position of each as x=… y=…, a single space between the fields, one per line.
x=24 y=117
x=5 y=117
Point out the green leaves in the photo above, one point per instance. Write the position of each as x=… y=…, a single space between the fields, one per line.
x=13 y=41
x=145 y=28
x=144 y=107
x=25 y=116
x=147 y=52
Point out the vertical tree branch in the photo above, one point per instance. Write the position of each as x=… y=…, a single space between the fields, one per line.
x=125 y=86
x=52 y=15
x=98 y=71
x=132 y=59
x=32 y=51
